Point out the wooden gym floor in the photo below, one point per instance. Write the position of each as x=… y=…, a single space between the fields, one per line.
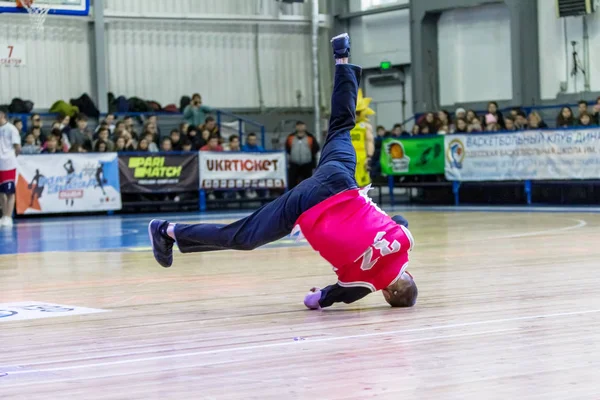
x=508 y=309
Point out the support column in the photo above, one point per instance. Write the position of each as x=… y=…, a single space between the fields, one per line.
x=99 y=60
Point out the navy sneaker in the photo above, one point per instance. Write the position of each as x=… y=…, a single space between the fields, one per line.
x=162 y=244
x=341 y=46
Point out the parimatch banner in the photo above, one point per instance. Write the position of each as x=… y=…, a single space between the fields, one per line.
x=158 y=172
x=413 y=156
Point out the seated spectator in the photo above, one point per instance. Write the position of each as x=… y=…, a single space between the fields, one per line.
x=565 y=119
x=460 y=113
x=521 y=121
x=430 y=122
x=108 y=122
x=398 y=131
x=36 y=122
x=166 y=144
x=130 y=143
x=143 y=145
x=184 y=127
x=443 y=130
x=210 y=125
x=234 y=143
x=514 y=112
x=18 y=123
x=120 y=145
x=582 y=107
x=443 y=120
x=535 y=121
x=186 y=144
x=153 y=120
x=195 y=113
x=490 y=122
x=103 y=125
x=212 y=144
x=38 y=138
x=103 y=136
x=100 y=146
x=195 y=138
x=461 y=126
x=82 y=134
x=77 y=149
x=65 y=123
x=252 y=145
x=425 y=129
x=150 y=139
x=493 y=109
x=30 y=147
x=175 y=137
x=51 y=146
x=474 y=126
x=129 y=123
x=471 y=115
x=509 y=124
x=585 y=120
x=119 y=128
x=416 y=130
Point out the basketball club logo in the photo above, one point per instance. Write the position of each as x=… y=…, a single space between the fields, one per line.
x=456 y=153
x=398 y=160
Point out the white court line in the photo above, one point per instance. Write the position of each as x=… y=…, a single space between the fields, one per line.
x=291 y=343
x=205 y=364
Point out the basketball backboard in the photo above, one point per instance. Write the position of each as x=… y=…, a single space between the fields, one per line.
x=57 y=7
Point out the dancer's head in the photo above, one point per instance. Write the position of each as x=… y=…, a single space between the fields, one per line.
x=402 y=293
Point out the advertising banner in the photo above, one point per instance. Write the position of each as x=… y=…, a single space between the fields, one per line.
x=64 y=183
x=228 y=170
x=418 y=156
x=158 y=172
x=551 y=154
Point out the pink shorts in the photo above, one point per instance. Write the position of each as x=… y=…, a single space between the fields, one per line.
x=7 y=181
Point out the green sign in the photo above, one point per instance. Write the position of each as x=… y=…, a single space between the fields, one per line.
x=385 y=65
x=408 y=156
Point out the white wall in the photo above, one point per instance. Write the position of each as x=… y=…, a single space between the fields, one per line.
x=57 y=63
x=387 y=101
x=380 y=37
x=475 y=54
x=163 y=60
x=556 y=59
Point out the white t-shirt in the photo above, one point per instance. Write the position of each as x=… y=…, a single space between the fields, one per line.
x=9 y=136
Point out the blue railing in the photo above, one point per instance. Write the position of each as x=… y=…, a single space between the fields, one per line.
x=219 y=116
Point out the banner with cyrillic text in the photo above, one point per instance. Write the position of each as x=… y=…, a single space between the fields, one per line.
x=227 y=170
x=529 y=155
x=65 y=183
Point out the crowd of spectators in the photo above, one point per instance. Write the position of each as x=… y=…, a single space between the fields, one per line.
x=197 y=131
x=493 y=120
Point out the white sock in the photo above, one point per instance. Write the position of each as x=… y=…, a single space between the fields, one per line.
x=171 y=231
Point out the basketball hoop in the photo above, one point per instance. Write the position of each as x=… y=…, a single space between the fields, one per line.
x=37 y=13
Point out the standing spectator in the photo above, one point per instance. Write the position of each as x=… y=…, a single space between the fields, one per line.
x=565 y=119
x=582 y=107
x=585 y=120
x=195 y=138
x=509 y=124
x=195 y=113
x=252 y=145
x=175 y=137
x=10 y=146
x=210 y=125
x=234 y=143
x=82 y=134
x=493 y=109
x=30 y=147
x=212 y=144
x=166 y=144
x=461 y=126
x=18 y=123
x=100 y=147
x=103 y=136
x=302 y=149
x=51 y=146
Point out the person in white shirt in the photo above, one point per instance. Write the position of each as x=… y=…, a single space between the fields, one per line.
x=10 y=146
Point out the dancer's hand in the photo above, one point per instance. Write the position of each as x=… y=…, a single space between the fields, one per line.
x=311 y=300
